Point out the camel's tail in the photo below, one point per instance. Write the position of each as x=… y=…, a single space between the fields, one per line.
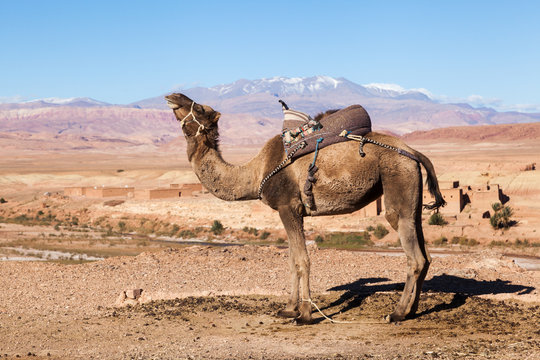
x=433 y=184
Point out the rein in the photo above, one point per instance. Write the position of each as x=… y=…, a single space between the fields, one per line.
x=302 y=145
x=184 y=121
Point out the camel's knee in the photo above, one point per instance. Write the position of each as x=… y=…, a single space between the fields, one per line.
x=302 y=267
x=417 y=266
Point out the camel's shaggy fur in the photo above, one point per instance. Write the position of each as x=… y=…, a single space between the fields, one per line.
x=345 y=182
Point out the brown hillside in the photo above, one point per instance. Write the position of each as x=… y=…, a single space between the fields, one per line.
x=485 y=133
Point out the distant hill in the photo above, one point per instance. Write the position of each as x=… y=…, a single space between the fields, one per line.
x=250 y=111
x=477 y=134
x=396 y=110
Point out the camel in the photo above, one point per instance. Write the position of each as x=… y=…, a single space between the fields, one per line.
x=346 y=182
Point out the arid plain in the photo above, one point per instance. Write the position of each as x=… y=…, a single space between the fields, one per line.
x=482 y=296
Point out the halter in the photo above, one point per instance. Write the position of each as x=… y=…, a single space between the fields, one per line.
x=183 y=121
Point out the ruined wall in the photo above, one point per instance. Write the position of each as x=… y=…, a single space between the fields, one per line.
x=158 y=193
x=100 y=192
x=75 y=191
x=454 y=201
x=193 y=187
x=483 y=197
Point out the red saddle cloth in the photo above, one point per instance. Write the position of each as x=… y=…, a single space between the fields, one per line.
x=299 y=127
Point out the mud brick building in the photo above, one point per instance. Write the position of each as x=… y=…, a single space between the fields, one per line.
x=102 y=192
x=173 y=191
x=164 y=193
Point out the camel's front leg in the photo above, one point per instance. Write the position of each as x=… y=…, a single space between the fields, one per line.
x=293 y=221
x=291 y=310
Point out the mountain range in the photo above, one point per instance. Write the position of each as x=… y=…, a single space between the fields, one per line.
x=250 y=112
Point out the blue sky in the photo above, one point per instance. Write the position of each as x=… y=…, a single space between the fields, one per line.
x=124 y=51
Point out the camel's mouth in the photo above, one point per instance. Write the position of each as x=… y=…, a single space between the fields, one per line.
x=172 y=105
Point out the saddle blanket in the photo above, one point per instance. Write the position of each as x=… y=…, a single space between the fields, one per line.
x=298 y=127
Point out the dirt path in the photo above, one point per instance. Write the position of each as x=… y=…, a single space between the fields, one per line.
x=202 y=302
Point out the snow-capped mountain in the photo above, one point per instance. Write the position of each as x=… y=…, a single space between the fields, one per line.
x=397 y=91
x=55 y=102
x=390 y=106
x=73 y=101
x=250 y=111
x=281 y=86
x=327 y=92
x=277 y=87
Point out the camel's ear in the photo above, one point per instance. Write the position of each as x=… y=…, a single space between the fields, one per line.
x=216 y=117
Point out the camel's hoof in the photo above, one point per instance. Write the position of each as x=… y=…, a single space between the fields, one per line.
x=393 y=318
x=288 y=313
x=303 y=321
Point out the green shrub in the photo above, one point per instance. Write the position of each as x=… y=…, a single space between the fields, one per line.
x=217 y=227
x=264 y=235
x=516 y=243
x=380 y=231
x=122 y=226
x=437 y=219
x=280 y=240
x=186 y=234
x=319 y=239
x=348 y=239
x=440 y=241
x=3 y=201
x=463 y=240
x=251 y=230
x=174 y=230
x=501 y=216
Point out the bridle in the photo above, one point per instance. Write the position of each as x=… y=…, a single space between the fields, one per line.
x=184 y=121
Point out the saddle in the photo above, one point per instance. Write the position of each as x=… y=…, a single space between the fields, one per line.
x=303 y=135
x=299 y=127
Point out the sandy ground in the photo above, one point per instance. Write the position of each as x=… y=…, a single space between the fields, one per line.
x=201 y=302
x=207 y=302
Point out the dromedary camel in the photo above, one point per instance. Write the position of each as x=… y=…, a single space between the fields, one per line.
x=345 y=182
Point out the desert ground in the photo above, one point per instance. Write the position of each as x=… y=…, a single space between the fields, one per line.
x=72 y=267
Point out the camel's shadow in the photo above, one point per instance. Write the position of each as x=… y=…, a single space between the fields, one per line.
x=356 y=292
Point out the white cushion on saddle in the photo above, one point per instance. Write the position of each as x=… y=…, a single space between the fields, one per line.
x=293 y=115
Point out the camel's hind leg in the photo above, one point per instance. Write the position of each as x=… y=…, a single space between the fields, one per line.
x=418 y=260
x=293 y=221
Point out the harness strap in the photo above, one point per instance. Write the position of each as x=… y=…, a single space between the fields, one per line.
x=184 y=121
x=310 y=180
x=364 y=140
x=281 y=165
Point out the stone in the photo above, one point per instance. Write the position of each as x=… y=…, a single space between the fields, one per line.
x=133 y=293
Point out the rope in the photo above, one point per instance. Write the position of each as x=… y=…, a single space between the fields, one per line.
x=337 y=321
x=319 y=140
x=310 y=180
x=364 y=140
x=302 y=145
x=326 y=317
x=183 y=121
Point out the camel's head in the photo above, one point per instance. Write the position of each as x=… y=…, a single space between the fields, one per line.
x=195 y=119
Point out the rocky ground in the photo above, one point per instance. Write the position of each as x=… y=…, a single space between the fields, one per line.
x=211 y=302
x=220 y=302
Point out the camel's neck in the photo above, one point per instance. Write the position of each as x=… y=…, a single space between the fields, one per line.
x=225 y=181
